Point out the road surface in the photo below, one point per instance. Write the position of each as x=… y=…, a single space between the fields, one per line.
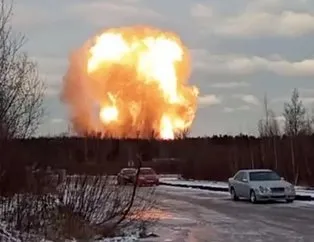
x=197 y=216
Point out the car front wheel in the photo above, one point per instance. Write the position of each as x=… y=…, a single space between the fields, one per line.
x=253 y=197
x=234 y=196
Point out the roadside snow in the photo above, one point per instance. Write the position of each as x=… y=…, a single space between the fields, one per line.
x=6 y=236
x=175 y=181
x=301 y=191
x=192 y=192
x=119 y=239
x=305 y=193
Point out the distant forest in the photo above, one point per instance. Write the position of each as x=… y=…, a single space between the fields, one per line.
x=289 y=151
x=215 y=158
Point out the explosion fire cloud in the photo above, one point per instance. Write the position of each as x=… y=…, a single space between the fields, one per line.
x=131 y=82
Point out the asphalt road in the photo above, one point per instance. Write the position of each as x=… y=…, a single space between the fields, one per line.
x=195 y=215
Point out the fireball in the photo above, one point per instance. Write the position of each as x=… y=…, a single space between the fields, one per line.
x=131 y=83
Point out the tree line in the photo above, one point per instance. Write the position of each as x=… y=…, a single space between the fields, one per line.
x=298 y=124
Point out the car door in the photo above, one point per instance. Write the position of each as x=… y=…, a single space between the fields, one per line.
x=238 y=183
x=245 y=187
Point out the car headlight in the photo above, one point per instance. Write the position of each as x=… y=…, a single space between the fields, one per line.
x=264 y=189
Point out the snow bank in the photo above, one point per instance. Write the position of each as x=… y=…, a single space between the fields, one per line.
x=302 y=193
x=195 y=183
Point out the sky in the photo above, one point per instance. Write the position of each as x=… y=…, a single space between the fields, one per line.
x=241 y=51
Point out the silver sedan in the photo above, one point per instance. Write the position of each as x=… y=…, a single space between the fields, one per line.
x=260 y=185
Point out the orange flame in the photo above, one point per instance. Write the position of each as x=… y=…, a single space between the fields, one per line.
x=138 y=77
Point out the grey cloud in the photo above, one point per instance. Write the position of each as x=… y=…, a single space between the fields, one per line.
x=243 y=65
x=288 y=23
x=51 y=71
x=50 y=65
x=202 y=11
x=277 y=6
x=209 y=100
x=54 y=111
x=25 y=18
x=230 y=85
x=248 y=98
x=258 y=18
x=308 y=101
x=109 y=13
x=235 y=109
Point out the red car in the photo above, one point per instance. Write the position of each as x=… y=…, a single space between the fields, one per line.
x=147 y=176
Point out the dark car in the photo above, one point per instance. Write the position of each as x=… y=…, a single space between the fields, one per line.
x=147 y=176
x=126 y=176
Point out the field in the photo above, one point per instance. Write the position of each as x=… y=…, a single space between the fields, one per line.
x=80 y=207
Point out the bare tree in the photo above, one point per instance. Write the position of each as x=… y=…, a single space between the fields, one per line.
x=294 y=113
x=295 y=125
x=274 y=126
x=307 y=128
x=268 y=125
x=22 y=90
x=263 y=123
x=51 y=205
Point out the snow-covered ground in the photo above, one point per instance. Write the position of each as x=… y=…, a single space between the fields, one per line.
x=96 y=199
x=175 y=181
x=192 y=215
x=222 y=186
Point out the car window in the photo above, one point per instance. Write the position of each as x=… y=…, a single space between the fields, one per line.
x=239 y=176
x=128 y=172
x=244 y=176
x=147 y=171
x=264 y=176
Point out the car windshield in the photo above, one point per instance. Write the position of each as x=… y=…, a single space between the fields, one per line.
x=147 y=171
x=264 y=176
x=128 y=171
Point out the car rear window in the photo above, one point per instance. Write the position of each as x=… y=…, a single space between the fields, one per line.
x=264 y=176
x=147 y=171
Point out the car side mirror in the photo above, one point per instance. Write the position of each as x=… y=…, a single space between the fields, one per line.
x=245 y=180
